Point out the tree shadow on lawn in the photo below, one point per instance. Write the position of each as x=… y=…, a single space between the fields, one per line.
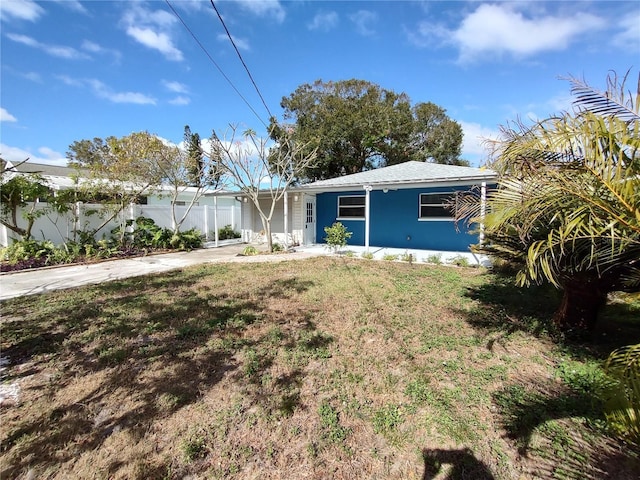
x=505 y=308
x=464 y=465
x=550 y=424
x=193 y=342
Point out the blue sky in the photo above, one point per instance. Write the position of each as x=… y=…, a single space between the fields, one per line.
x=74 y=70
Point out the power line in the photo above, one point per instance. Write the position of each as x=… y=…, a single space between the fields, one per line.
x=216 y=65
x=241 y=59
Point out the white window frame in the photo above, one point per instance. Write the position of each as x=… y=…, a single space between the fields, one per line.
x=432 y=218
x=348 y=217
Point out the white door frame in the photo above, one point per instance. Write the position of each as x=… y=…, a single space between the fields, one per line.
x=309 y=213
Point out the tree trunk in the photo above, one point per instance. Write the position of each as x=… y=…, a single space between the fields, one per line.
x=582 y=300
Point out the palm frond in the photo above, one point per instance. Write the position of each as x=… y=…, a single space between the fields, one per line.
x=612 y=102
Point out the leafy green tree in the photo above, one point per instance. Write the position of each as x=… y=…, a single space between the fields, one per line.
x=118 y=171
x=19 y=197
x=195 y=157
x=567 y=206
x=436 y=136
x=356 y=125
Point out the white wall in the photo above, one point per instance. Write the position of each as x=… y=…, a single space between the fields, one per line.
x=60 y=228
x=252 y=231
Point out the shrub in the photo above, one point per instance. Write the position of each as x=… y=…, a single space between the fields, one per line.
x=227 y=233
x=337 y=236
x=436 y=259
x=459 y=261
x=250 y=250
x=367 y=255
x=622 y=397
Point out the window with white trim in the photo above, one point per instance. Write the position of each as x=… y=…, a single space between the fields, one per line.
x=351 y=206
x=434 y=205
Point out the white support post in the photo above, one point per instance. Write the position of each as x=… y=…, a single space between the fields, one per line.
x=215 y=219
x=367 y=203
x=205 y=211
x=286 y=220
x=483 y=206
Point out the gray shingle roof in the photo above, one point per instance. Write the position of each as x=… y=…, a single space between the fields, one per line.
x=406 y=173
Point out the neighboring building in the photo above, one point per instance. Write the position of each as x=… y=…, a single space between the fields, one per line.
x=64 y=178
x=400 y=206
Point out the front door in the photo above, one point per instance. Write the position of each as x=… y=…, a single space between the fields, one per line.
x=310 y=220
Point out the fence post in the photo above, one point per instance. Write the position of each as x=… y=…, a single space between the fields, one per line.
x=215 y=218
x=206 y=222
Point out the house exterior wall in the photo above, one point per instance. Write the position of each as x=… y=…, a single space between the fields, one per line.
x=252 y=231
x=394 y=221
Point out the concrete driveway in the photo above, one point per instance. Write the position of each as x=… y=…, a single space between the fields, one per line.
x=31 y=282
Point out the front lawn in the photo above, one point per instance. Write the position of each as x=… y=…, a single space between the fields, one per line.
x=328 y=368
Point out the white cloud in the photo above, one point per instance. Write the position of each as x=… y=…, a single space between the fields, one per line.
x=324 y=21
x=364 y=21
x=262 y=8
x=628 y=35
x=5 y=116
x=160 y=41
x=53 y=50
x=475 y=136
x=44 y=155
x=20 y=10
x=74 y=5
x=498 y=29
x=180 y=100
x=175 y=87
x=153 y=29
x=93 y=47
x=241 y=43
x=101 y=90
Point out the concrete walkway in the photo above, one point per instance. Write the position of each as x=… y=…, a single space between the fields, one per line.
x=31 y=282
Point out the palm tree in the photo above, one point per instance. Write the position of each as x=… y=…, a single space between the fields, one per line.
x=567 y=206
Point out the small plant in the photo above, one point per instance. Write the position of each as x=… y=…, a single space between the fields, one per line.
x=349 y=253
x=329 y=417
x=387 y=419
x=249 y=250
x=407 y=257
x=276 y=247
x=389 y=257
x=227 y=233
x=194 y=447
x=367 y=255
x=459 y=261
x=436 y=259
x=337 y=236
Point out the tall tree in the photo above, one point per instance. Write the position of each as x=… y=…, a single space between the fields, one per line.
x=120 y=170
x=356 y=125
x=195 y=157
x=436 y=136
x=261 y=169
x=567 y=207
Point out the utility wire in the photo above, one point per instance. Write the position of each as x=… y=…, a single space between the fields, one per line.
x=241 y=59
x=216 y=65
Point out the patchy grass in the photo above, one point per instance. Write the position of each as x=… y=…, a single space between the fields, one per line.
x=327 y=368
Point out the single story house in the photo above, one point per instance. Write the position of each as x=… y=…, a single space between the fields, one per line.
x=400 y=206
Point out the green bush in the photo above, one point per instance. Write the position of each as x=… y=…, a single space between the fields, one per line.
x=27 y=250
x=227 y=233
x=337 y=236
x=622 y=397
x=250 y=250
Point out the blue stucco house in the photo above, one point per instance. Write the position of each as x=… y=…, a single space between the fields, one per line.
x=400 y=206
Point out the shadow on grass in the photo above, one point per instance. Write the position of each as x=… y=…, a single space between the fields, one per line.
x=150 y=346
x=464 y=465
x=504 y=308
x=550 y=424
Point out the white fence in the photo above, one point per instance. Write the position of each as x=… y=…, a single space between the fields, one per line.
x=60 y=228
